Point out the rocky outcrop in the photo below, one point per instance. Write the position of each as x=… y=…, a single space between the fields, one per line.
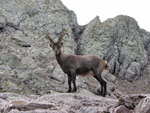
x=120 y=41
x=74 y=103
x=143 y=106
x=28 y=65
x=62 y=103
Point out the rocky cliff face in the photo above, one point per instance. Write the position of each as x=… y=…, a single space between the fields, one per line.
x=120 y=41
x=27 y=62
x=28 y=65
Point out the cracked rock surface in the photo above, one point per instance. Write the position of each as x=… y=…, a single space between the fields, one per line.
x=73 y=103
x=120 y=41
x=28 y=65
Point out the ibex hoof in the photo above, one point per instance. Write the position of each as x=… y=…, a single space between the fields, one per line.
x=99 y=92
x=74 y=90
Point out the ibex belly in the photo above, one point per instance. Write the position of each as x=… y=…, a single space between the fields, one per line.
x=83 y=72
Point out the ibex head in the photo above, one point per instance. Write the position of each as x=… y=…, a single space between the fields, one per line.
x=56 y=46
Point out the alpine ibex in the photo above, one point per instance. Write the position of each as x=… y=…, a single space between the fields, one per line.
x=74 y=65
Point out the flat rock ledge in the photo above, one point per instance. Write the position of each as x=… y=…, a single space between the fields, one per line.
x=54 y=103
x=72 y=103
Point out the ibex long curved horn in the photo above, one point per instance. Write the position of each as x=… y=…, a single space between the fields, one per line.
x=61 y=36
x=49 y=38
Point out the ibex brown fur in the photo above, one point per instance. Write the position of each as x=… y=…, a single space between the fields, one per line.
x=74 y=65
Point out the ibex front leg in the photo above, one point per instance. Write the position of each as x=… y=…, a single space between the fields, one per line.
x=73 y=75
x=69 y=83
x=97 y=75
x=72 y=78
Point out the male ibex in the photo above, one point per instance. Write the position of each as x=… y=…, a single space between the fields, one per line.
x=78 y=64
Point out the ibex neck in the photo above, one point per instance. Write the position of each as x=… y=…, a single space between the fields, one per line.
x=60 y=58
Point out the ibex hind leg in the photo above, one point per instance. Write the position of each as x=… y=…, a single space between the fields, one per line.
x=103 y=87
x=102 y=83
x=100 y=92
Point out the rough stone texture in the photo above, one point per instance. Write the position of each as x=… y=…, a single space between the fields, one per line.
x=134 y=103
x=54 y=103
x=122 y=109
x=72 y=103
x=28 y=64
x=120 y=41
x=143 y=106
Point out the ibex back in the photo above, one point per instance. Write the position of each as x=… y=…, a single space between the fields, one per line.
x=74 y=65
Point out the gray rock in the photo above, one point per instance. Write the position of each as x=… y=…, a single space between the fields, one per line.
x=143 y=106
x=120 y=42
x=2 y=23
x=65 y=103
x=122 y=109
x=133 y=70
x=75 y=102
x=109 y=77
x=28 y=64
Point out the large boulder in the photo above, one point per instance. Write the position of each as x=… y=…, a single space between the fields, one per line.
x=120 y=41
x=122 y=109
x=143 y=106
x=27 y=63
